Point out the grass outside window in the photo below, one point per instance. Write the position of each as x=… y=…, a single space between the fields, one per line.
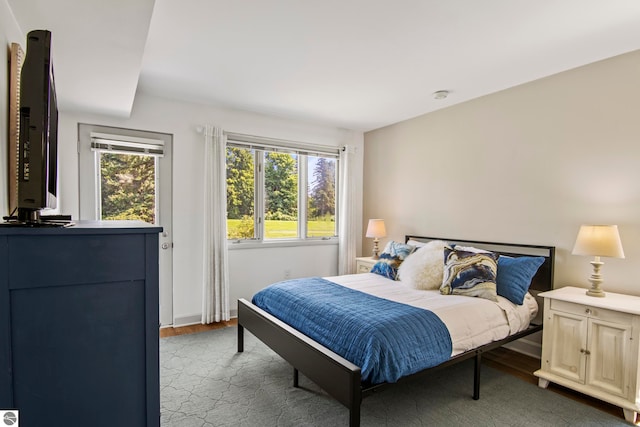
x=285 y=229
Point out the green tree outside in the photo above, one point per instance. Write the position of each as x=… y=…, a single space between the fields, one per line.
x=322 y=199
x=281 y=186
x=128 y=187
x=128 y=192
x=240 y=183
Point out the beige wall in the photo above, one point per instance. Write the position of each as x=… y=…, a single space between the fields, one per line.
x=525 y=165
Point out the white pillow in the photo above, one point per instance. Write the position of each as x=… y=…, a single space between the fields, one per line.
x=472 y=249
x=416 y=243
x=424 y=268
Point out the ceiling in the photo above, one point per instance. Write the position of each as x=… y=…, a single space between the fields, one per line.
x=355 y=64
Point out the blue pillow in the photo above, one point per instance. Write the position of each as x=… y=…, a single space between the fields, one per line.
x=514 y=276
x=391 y=258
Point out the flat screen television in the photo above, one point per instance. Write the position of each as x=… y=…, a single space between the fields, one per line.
x=38 y=131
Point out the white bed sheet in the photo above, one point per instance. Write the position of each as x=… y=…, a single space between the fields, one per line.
x=472 y=322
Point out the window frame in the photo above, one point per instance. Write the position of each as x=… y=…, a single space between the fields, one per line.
x=260 y=146
x=122 y=143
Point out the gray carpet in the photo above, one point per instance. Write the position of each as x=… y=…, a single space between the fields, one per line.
x=204 y=382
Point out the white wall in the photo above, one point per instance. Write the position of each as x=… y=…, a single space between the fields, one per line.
x=250 y=269
x=527 y=165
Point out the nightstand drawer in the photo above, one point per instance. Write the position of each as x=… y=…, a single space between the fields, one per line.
x=591 y=312
x=365 y=264
x=364 y=268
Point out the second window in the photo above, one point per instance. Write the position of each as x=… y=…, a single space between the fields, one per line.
x=280 y=194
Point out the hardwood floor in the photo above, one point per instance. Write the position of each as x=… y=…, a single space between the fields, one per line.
x=192 y=329
x=511 y=362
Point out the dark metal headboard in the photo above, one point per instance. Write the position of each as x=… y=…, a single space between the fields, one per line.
x=542 y=281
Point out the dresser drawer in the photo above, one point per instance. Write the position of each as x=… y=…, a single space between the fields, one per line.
x=46 y=261
x=591 y=312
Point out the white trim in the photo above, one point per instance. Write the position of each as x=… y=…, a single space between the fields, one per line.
x=236 y=244
x=194 y=319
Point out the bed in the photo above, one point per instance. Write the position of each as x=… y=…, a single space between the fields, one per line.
x=344 y=380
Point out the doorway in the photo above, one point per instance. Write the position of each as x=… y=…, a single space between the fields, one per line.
x=126 y=174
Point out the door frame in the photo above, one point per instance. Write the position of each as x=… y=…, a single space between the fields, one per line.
x=87 y=195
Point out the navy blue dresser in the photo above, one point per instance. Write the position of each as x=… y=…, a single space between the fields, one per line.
x=79 y=324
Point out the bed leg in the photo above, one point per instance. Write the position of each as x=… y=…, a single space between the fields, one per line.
x=355 y=400
x=476 y=376
x=295 y=377
x=240 y=338
x=354 y=416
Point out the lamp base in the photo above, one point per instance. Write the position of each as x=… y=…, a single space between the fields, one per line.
x=596 y=293
x=376 y=250
x=596 y=279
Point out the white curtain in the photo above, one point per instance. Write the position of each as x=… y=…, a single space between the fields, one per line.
x=215 y=286
x=347 y=220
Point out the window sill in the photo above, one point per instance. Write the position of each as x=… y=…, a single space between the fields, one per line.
x=233 y=245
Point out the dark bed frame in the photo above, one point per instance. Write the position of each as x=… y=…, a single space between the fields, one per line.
x=342 y=379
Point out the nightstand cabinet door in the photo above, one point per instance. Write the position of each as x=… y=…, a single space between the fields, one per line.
x=609 y=359
x=592 y=345
x=568 y=342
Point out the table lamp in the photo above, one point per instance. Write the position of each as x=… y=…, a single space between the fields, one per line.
x=598 y=241
x=376 y=230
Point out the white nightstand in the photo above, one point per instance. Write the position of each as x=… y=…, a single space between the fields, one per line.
x=364 y=264
x=591 y=345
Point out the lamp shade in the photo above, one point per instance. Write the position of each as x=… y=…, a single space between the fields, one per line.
x=599 y=240
x=376 y=228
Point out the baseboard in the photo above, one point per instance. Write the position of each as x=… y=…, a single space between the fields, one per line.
x=196 y=319
x=525 y=346
x=187 y=320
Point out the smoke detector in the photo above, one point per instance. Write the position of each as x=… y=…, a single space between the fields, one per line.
x=441 y=94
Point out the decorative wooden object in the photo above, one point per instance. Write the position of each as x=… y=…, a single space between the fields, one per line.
x=15 y=67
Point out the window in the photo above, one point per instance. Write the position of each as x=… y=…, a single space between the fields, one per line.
x=279 y=192
x=127 y=175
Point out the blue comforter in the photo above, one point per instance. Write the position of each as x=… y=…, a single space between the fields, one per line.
x=386 y=339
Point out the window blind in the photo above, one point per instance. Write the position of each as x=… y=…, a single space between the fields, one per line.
x=123 y=144
x=278 y=145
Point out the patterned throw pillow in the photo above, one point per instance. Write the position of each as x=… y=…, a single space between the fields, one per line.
x=469 y=273
x=391 y=258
